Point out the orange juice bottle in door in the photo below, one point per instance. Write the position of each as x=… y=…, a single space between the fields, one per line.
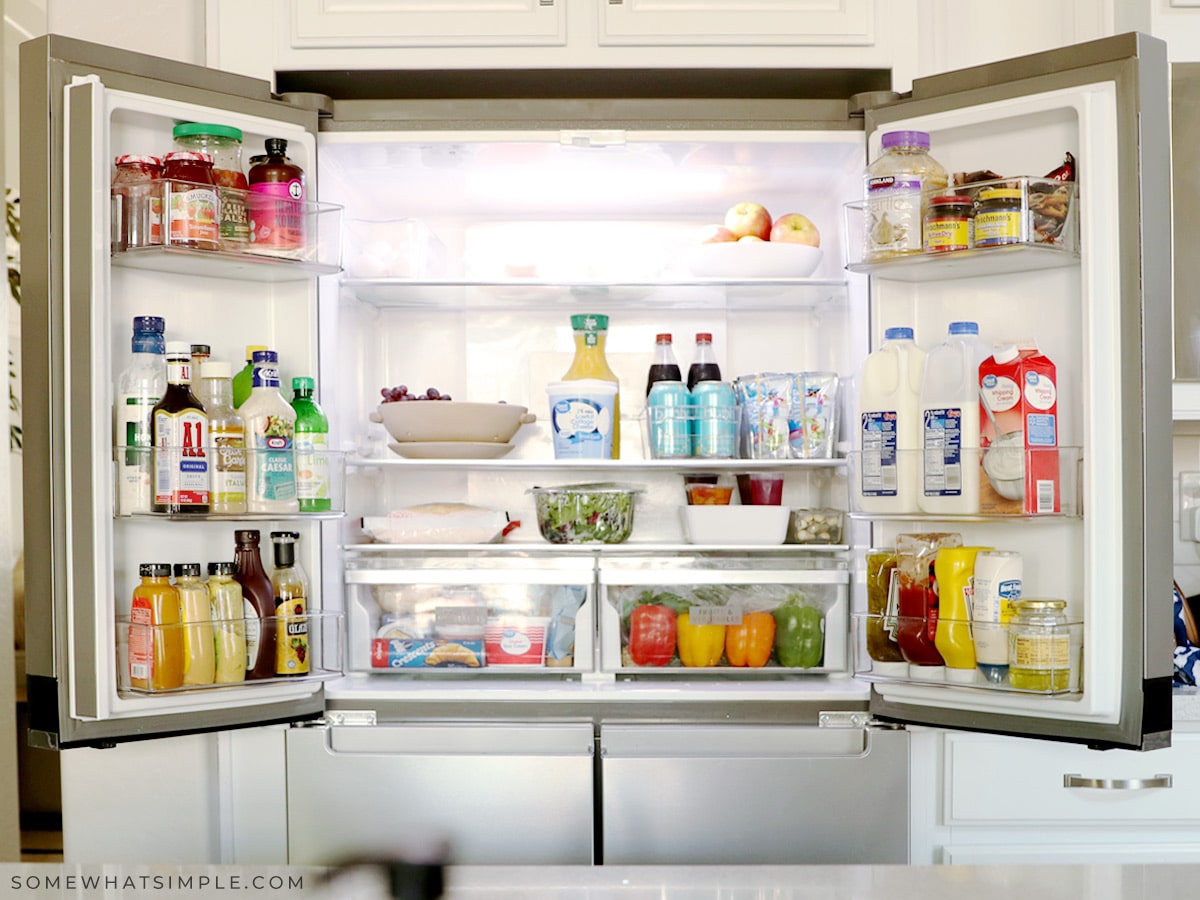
x=155 y=638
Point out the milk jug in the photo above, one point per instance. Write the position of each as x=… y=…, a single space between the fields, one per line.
x=950 y=461
x=888 y=424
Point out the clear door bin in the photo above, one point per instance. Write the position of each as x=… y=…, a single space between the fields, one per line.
x=999 y=481
x=317 y=483
x=732 y=620
x=1035 y=658
x=156 y=659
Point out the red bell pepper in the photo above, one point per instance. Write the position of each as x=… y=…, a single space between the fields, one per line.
x=652 y=635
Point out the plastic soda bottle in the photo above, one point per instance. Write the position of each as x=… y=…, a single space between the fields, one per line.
x=665 y=367
x=704 y=364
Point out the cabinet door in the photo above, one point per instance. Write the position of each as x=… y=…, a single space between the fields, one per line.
x=731 y=22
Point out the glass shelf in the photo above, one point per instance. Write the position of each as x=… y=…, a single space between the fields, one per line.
x=222 y=264
x=609 y=466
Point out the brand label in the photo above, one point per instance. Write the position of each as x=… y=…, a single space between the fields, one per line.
x=141 y=642
x=312 y=466
x=879 y=459
x=942 y=442
x=181 y=477
x=291 y=637
x=276 y=212
x=229 y=469
x=894 y=214
x=193 y=216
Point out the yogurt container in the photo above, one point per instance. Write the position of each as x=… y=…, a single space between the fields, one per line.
x=581 y=418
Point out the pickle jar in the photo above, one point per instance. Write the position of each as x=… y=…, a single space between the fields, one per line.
x=136 y=202
x=190 y=200
x=1039 y=646
x=224 y=144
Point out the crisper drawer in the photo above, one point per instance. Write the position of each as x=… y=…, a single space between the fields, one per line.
x=466 y=617
x=722 y=617
x=738 y=795
x=488 y=794
x=993 y=780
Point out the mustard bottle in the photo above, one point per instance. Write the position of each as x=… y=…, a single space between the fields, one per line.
x=591 y=334
x=954 y=570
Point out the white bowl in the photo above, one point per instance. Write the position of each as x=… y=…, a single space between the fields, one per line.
x=741 y=525
x=753 y=259
x=436 y=421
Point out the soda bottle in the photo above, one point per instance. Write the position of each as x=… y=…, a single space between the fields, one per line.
x=260 y=597
x=179 y=429
x=312 y=460
x=139 y=388
x=291 y=600
x=665 y=367
x=704 y=363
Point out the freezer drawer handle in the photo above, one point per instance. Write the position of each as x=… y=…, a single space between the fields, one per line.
x=1117 y=784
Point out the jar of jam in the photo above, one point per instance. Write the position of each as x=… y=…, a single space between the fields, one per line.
x=224 y=144
x=949 y=224
x=999 y=217
x=136 y=202
x=190 y=199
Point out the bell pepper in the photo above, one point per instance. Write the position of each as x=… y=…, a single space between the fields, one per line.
x=750 y=643
x=700 y=646
x=652 y=635
x=799 y=635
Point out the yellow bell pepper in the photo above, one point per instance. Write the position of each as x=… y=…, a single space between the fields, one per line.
x=750 y=644
x=699 y=645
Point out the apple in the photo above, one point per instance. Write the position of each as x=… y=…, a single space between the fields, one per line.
x=796 y=229
x=748 y=218
x=750 y=239
x=717 y=234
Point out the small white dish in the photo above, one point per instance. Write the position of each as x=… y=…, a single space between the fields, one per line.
x=450 y=449
x=741 y=525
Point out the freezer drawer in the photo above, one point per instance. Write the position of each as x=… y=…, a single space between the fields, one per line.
x=753 y=795
x=496 y=794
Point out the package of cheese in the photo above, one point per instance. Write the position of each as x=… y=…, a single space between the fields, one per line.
x=440 y=523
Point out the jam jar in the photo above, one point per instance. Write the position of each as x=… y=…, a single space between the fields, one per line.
x=949 y=224
x=136 y=202
x=224 y=144
x=190 y=200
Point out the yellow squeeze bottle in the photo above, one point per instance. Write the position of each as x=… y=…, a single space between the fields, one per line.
x=954 y=571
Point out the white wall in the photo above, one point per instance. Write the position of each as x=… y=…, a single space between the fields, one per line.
x=170 y=28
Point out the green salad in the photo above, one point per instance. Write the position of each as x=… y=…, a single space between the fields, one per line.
x=585 y=512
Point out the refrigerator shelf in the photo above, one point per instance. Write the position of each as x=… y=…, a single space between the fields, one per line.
x=611 y=467
x=223 y=264
x=539 y=548
x=239 y=517
x=972 y=263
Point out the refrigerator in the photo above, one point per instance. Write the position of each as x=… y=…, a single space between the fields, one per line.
x=455 y=223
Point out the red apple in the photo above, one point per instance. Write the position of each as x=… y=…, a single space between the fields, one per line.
x=796 y=229
x=717 y=234
x=748 y=218
x=750 y=239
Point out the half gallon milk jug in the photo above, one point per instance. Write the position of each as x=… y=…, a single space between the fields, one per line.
x=950 y=423
x=888 y=425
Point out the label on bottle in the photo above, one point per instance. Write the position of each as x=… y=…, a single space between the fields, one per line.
x=894 y=214
x=181 y=475
x=291 y=642
x=253 y=634
x=193 y=217
x=880 y=474
x=141 y=642
x=276 y=210
x=942 y=441
x=135 y=468
x=312 y=468
x=272 y=466
x=229 y=471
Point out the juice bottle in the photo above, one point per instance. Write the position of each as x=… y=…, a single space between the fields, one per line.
x=954 y=569
x=230 y=612
x=179 y=429
x=227 y=441
x=139 y=388
x=888 y=425
x=665 y=367
x=312 y=459
x=259 y=599
x=704 y=363
x=243 y=381
x=591 y=334
x=291 y=602
x=195 y=610
x=155 y=640
x=276 y=202
x=270 y=425
x=950 y=461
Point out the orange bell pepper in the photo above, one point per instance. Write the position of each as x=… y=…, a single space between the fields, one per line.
x=700 y=646
x=750 y=643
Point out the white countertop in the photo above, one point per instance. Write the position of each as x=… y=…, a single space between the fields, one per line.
x=1185 y=707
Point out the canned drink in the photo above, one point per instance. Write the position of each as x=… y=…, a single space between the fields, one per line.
x=667 y=413
x=714 y=420
x=997 y=587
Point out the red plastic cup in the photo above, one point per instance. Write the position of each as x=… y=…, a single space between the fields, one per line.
x=766 y=488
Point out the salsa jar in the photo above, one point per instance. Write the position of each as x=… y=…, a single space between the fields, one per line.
x=949 y=224
x=224 y=144
x=999 y=217
x=136 y=202
x=190 y=199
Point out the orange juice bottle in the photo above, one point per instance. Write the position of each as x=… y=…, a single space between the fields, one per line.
x=155 y=637
x=591 y=334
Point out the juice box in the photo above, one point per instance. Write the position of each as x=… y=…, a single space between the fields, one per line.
x=1019 y=385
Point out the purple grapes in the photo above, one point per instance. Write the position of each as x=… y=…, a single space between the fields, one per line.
x=400 y=393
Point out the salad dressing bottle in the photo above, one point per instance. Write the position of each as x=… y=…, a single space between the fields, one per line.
x=291 y=602
x=591 y=334
x=270 y=424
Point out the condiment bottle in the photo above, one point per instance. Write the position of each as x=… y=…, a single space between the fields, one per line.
x=896 y=185
x=139 y=389
x=1039 y=641
x=224 y=144
x=291 y=603
x=226 y=440
x=243 y=381
x=200 y=355
x=230 y=612
x=704 y=362
x=260 y=603
x=190 y=200
x=882 y=604
x=665 y=367
x=312 y=438
x=155 y=640
x=179 y=428
x=137 y=202
x=954 y=569
x=195 y=611
x=276 y=202
x=591 y=334
x=270 y=431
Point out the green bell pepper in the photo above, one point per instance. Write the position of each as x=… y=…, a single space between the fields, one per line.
x=799 y=634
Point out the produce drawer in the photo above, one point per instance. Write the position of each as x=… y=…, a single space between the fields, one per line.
x=993 y=780
x=724 y=617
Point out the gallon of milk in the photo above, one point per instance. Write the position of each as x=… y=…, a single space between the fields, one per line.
x=888 y=425
x=950 y=458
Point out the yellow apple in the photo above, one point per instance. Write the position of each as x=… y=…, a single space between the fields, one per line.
x=796 y=229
